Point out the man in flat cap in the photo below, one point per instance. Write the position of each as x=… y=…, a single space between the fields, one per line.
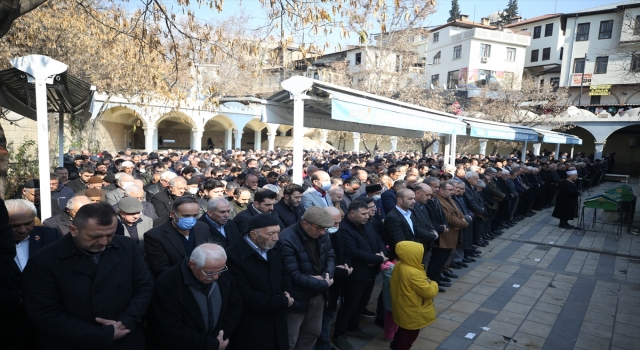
x=94 y=182
x=308 y=258
x=133 y=223
x=263 y=285
x=31 y=192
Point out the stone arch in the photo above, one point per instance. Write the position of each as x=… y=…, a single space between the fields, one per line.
x=223 y=120
x=121 y=127
x=588 y=141
x=217 y=132
x=625 y=142
x=174 y=130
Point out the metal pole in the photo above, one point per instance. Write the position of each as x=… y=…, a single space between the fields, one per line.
x=298 y=120
x=523 y=157
x=61 y=136
x=452 y=148
x=43 y=147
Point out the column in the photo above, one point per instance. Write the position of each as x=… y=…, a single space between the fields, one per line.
x=394 y=143
x=435 y=148
x=523 y=158
x=536 y=148
x=447 y=149
x=257 y=140
x=557 y=151
x=483 y=147
x=452 y=158
x=599 y=149
x=271 y=136
x=237 y=138
x=227 y=138
x=284 y=133
x=356 y=142
x=571 y=155
x=324 y=133
x=149 y=138
x=196 y=139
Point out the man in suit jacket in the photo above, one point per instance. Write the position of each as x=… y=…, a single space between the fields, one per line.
x=222 y=231
x=134 y=224
x=196 y=304
x=389 y=197
x=168 y=244
x=317 y=195
x=263 y=202
x=64 y=220
x=264 y=286
x=27 y=238
x=122 y=182
x=288 y=210
x=89 y=289
x=400 y=225
x=163 y=201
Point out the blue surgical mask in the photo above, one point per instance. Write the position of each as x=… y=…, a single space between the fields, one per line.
x=185 y=223
x=326 y=186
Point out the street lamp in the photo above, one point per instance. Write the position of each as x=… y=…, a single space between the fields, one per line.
x=584 y=66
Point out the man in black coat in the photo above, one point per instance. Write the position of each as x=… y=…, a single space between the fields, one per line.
x=308 y=258
x=263 y=201
x=222 y=231
x=567 y=201
x=27 y=239
x=367 y=252
x=89 y=289
x=170 y=243
x=163 y=201
x=195 y=304
x=396 y=224
x=288 y=210
x=80 y=183
x=64 y=220
x=263 y=284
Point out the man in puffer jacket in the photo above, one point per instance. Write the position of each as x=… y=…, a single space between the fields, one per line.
x=308 y=258
x=412 y=295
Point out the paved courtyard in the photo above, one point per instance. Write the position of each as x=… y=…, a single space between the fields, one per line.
x=539 y=287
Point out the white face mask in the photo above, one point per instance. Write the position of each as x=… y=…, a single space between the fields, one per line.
x=124 y=185
x=142 y=171
x=331 y=230
x=193 y=190
x=376 y=197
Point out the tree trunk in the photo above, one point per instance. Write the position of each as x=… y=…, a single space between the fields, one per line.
x=425 y=145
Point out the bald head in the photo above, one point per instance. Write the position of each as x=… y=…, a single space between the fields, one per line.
x=335 y=215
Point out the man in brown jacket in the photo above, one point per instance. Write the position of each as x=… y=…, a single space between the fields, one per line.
x=448 y=239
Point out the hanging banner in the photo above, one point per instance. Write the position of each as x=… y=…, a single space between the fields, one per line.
x=575 y=81
x=599 y=90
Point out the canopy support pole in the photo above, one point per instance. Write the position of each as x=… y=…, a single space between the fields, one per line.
x=452 y=148
x=572 y=145
x=447 y=149
x=61 y=136
x=557 y=151
x=297 y=87
x=523 y=157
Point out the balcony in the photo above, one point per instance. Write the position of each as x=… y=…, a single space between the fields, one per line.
x=492 y=35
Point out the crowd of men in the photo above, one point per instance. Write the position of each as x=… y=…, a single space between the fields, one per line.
x=215 y=250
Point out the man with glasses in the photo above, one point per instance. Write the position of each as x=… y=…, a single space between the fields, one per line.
x=170 y=243
x=196 y=304
x=307 y=256
x=163 y=201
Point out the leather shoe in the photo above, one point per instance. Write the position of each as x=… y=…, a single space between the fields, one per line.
x=449 y=274
x=479 y=244
x=464 y=265
x=468 y=259
x=477 y=251
x=441 y=290
x=443 y=284
x=443 y=278
x=455 y=265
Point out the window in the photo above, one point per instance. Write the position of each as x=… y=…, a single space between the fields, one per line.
x=546 y=54
x=555 y=82
x=435 y=80
x=398 y=63
x=452 y=79
x=561 y=52
x=358 y=58
x=534 y=55
x=635 y=63
x=583 y=32
x=605 y=30
x=436 y=58
x=511 y=54
x=536 y=32
x=485 y=50
x=410 y=39
x=548 y=29
x=484 y=77
x=601 y=65
x=578 y=65
x=636 y=26
x=595 y=100
x=457 y=52
x=436 y=37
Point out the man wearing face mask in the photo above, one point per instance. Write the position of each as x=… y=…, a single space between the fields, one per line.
x=123 y=181
x=317 y=195
x=170 y=243
x=163 y=201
